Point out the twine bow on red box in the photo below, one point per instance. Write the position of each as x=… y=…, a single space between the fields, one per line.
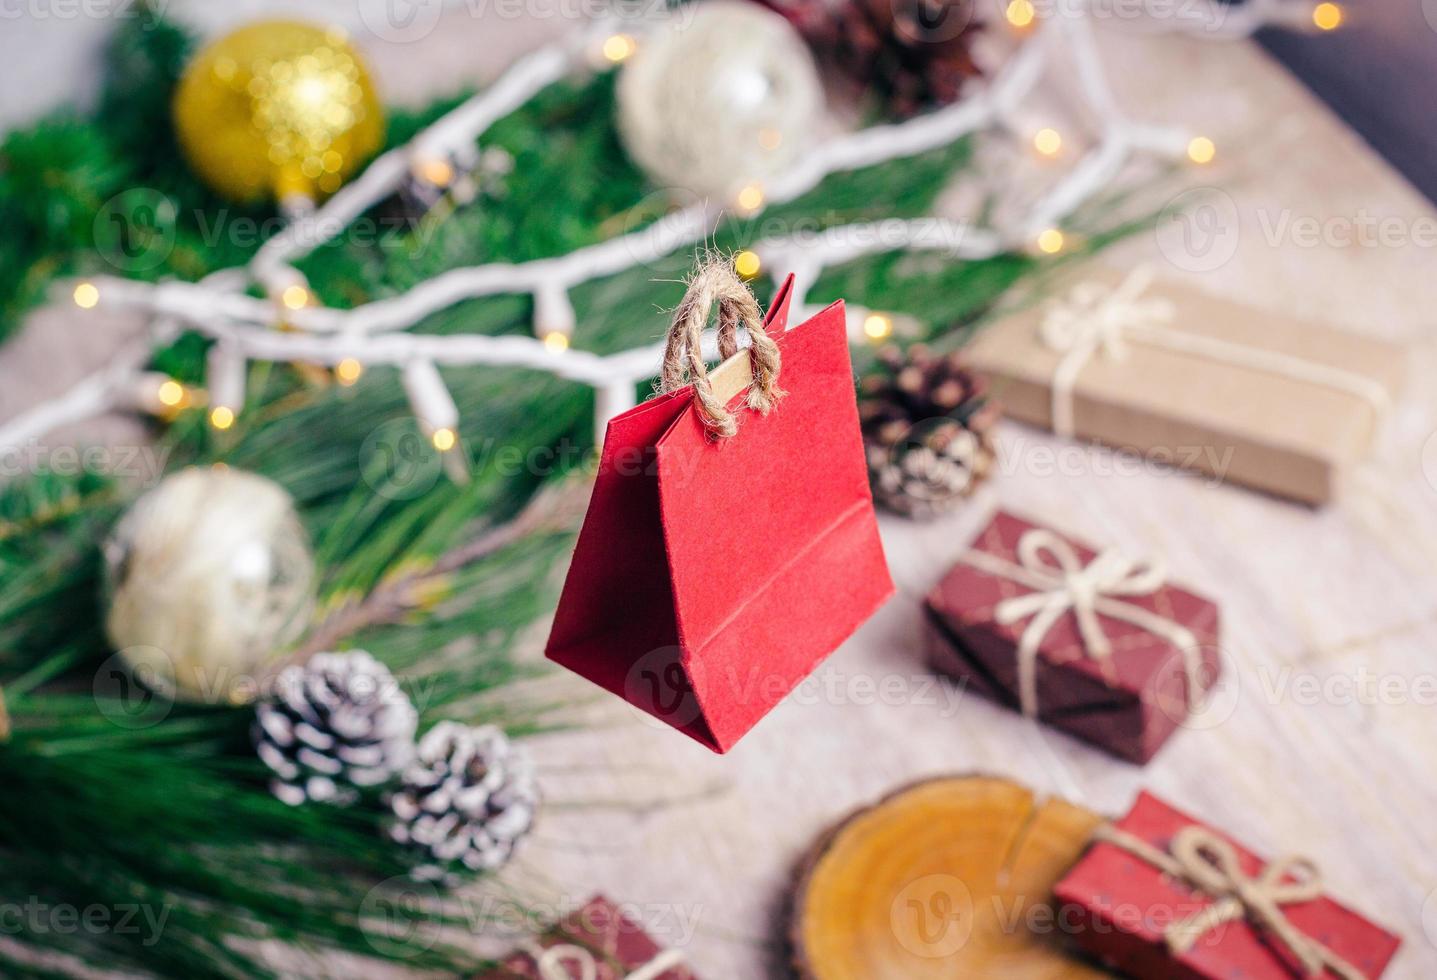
x=553 y=963
x=1050 y=566
x=1211 y=865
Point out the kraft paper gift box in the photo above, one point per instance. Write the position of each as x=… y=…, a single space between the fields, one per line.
x=1250 y=396
x=1161 y=640
x=600 y=938
x=1132 y=901
x=712 y=575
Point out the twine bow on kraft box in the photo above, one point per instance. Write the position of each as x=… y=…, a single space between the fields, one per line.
x=1159 y=896
x=1186 y=378
x=730 y=543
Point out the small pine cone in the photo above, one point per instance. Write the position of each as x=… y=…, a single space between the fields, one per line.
x=466 y=800
x=927 y=431
x=337 y=723
x=910 y=54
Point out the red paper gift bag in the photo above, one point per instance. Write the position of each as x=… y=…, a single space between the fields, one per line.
x=713 y=573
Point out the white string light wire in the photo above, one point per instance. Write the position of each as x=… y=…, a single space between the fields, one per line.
x=377 y=332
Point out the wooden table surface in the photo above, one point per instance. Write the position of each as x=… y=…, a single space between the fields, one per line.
x=1322 y=608
x=1323 y=739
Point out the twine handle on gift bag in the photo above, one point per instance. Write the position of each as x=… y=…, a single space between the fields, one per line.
x=716 y=282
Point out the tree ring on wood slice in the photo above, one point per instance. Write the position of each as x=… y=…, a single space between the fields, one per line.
x=947 y=878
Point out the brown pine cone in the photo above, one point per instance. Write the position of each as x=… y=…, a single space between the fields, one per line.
x=927 y=425
x=909 y=54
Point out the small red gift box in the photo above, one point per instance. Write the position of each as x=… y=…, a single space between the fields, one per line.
x=1098 y=645
x=598 y=941
x=1159 y=896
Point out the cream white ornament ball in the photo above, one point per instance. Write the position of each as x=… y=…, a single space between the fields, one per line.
x=209 y=578
x=725 y=97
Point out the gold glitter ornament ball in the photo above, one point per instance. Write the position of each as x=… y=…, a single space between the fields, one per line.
x=278 y=109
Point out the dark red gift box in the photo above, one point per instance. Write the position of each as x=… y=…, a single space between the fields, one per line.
x=616 y=944
x=1119 y=907
x=1129 y=703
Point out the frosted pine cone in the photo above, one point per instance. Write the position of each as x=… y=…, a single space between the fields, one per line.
x=337 y=723
x=465 y=802
x=926 y=429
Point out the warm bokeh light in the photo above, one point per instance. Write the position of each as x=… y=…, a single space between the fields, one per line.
x=1327 y=16
x=1201 y=150
x=1050 y=242
x=619 y=47
x=556 y=341
x=170 y=393
x=348 y=371
x=87 y=295
x=750 y=199
x=444 y=439
x=222 y=417
x=1048 y=141
x=436 y=171
x=1020 y=13
x=876 y=326
x=294 y=297
x=747 y=264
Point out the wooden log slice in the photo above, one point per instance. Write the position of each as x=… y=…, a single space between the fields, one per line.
x=949 y=878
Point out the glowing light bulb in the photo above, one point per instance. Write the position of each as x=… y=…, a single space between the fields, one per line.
x=294 y=297
x=619 y=48
x=747 y=264
x=170 y=393
x=1201 y=150
x=1050 y=241
x=348 y=371
x=222 y=417
x=750 y=199
x=1327 y=16
x=876 y=326
x=435 y=170
x=556 y=341
x=87 y=295
x=444 y=439
x=1020 y=13
x=1048 y=141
